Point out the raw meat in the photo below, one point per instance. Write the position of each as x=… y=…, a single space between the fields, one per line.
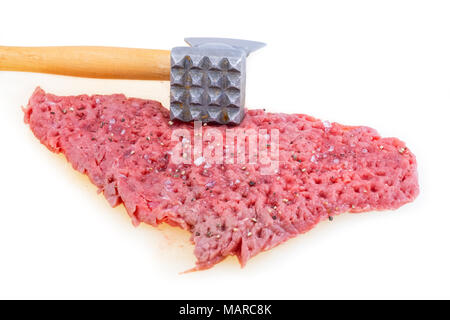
x=125 y=147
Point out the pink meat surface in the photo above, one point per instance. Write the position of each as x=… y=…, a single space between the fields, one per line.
x=124 y=145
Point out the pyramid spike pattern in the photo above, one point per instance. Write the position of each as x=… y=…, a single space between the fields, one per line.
x=207 y=84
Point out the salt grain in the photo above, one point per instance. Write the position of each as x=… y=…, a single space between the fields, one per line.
x=199 y=161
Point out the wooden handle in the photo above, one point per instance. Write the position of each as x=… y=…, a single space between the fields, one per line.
x=90 y=62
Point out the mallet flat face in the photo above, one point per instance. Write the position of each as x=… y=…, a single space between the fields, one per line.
x=207 y=81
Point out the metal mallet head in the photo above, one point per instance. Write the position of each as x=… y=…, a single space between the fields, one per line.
x=207 y=80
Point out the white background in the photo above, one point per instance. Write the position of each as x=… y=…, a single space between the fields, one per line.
x=385 y=64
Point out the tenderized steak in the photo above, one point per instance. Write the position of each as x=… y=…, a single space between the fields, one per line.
x=125 y=147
